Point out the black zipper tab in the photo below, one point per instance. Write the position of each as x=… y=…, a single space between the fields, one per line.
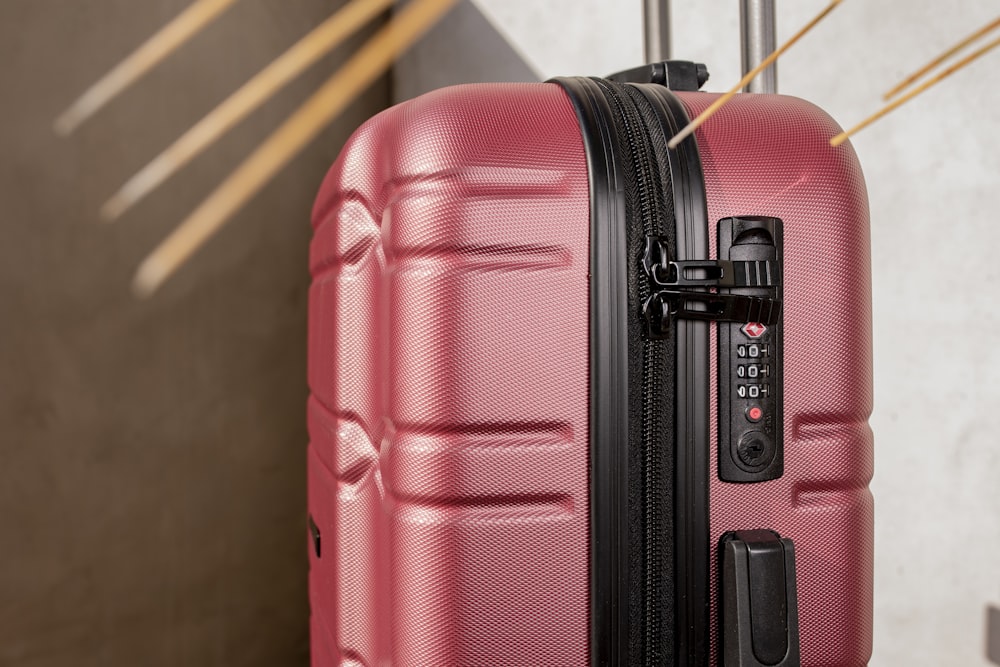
x=662 y=271
x=656 y=257
x=663 y=306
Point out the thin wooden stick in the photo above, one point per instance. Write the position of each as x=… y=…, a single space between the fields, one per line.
x=288 y=140
x=944 y=74
x=690 y=128
x=327 y=36
x=154 y=51
x=910 y=80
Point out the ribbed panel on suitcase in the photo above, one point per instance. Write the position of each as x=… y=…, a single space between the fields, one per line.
x=448 y=364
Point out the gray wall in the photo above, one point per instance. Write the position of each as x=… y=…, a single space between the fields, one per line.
x=152 y=454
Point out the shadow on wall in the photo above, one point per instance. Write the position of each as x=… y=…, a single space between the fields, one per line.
x=152 y=454
x=463 y=48
x=993 y=634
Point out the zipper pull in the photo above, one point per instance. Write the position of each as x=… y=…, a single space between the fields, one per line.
x=655 y=258
x=663 y=272
x=664 y=305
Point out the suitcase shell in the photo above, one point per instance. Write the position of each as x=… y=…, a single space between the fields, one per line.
x=449 y=343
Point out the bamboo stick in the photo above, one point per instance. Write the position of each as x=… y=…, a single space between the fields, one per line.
x=156 y=49
x=323 y=39
x=944 y=74
x=690 y=128
x=908 y=81
x=288 y=140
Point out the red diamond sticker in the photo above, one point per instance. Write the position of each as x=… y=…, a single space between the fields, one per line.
x=754 y=329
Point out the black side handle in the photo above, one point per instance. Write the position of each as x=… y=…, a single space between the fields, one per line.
x=760 y=616
x=674 y=74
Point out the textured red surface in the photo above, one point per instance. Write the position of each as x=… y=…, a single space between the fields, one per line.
x=768 y=155
x=448 y=363
x=448 y=347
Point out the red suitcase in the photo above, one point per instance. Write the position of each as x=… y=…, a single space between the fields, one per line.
x=578 y=399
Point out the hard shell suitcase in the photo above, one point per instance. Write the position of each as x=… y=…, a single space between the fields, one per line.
x=580 y=399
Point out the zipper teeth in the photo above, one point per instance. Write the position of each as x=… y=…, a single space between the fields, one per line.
x=652 y=378
x=654 y=557
x=633 y=122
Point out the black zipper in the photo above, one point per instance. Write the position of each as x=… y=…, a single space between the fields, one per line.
x=649 y=389
x=649 y=202
x=691 y=410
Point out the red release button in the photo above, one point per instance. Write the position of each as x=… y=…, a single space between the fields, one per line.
x=754 y=414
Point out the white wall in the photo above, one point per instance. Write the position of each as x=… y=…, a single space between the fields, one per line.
x=933 y=171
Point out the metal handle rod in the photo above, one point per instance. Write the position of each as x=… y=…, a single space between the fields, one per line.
x=656 y=18
x=758 y=33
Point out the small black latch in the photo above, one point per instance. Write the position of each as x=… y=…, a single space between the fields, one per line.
x=314 y=533
x=760 y=618
x=674 y=74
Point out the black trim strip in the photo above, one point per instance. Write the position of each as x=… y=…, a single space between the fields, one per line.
x=692 y=408
x=609 y=385
x=650 y=211
x=609 y=379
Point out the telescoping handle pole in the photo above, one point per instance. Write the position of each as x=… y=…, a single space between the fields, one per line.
x=656 y=19
x=757 y=32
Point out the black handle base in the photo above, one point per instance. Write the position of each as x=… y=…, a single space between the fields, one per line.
x=760 y=617
x=674 y=74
